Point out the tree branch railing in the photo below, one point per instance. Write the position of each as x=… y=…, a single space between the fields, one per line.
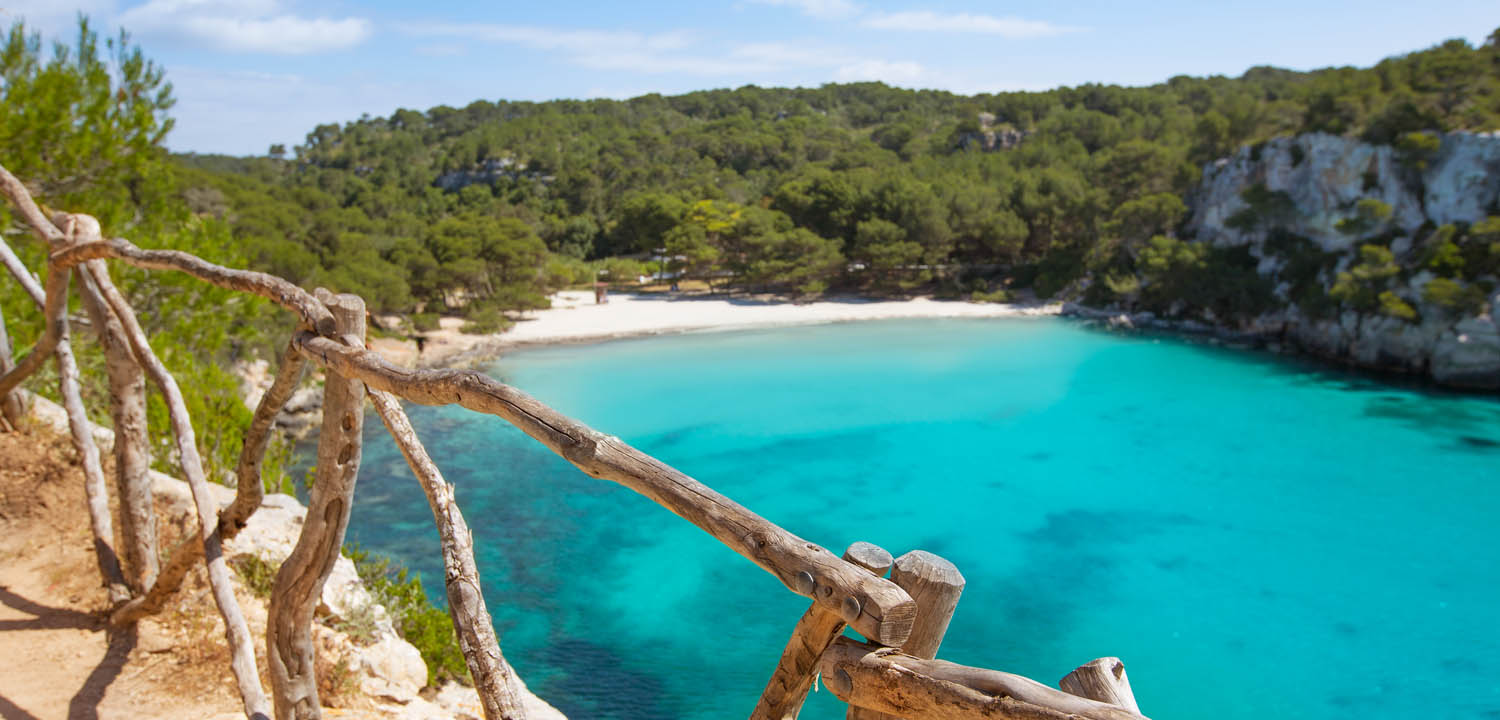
x=874 y=678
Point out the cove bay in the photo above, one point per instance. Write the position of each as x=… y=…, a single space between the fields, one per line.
x=1252 y=535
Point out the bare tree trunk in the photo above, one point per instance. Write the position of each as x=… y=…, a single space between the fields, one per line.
x=242 y=654
x=299 y=582
x=246 y=500
x=93 y=475
x=127 y=409
x=10 y=403
x=494 y=678
x=54 y=301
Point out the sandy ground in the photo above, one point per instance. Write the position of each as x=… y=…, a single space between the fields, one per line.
x=58 y=658
x=574 y=317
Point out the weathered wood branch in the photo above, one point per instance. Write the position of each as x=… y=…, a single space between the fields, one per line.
x=494 y=679
x=895 y=683
x=20 y=199
x=935 y=584
x=884 y=612
x=299 y=582
x=251 y=488
x=793 y=677
x=94 y=489
x=55 y=341
x=247 y=498
x=22 y=274
x=242 y=654
x=1104 y=680
x=12 y=408
x=55 y=316
x=127 y=409
x=277 y=290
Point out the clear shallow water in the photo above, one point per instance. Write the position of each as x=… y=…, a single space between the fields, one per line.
x=1254 y=537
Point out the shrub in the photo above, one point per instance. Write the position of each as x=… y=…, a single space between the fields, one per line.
x=1266 y=208
x=485 y=320
x=1000 y=295
x=257 y=574
x=1395 y=307
x=1454 y=296
x=1415 y=149
x=425 y=322
x=415 y=618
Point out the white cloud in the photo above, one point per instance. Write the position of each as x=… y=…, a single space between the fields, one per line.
x=251 y=26
x=823 y=9
x=924 y=20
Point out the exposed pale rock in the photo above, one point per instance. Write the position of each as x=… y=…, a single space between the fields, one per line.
x=1331 y=176
x=1462 y=180
x=393 y=666
x=1469 y=354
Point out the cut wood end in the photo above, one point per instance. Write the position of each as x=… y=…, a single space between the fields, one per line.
x=869 y=556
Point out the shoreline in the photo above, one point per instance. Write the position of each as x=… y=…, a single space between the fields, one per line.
x=575 y=319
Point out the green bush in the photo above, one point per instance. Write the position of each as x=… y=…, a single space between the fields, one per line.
x=416 y=619
x=1415 y=149
x=1266 y=208
x=486 y=320
x=1454 y=296
x=257 y=574
x=1395 y=307
x=1000 y=295
x=425 y=322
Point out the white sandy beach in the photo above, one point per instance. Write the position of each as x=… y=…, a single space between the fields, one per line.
x=574 y=317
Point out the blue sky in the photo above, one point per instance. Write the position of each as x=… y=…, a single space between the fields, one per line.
x=255 y=72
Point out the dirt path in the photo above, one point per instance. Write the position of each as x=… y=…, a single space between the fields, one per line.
x=58 y=659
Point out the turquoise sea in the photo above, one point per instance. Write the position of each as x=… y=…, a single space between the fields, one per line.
x=1254 y=536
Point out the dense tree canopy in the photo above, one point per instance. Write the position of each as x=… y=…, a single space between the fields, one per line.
x=859 y=186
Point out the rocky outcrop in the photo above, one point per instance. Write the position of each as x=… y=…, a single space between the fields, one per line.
x=1311 y=187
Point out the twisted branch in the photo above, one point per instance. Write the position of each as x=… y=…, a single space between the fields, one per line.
x=494 y=679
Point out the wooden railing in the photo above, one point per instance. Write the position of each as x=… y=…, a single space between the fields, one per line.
x=902 y=618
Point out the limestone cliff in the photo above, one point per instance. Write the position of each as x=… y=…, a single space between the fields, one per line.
x=1377 y=256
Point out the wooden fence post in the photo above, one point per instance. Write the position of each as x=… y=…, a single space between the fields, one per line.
x=935 y=584
x=127 y=410
x=10 y=403
x=787 y=689
x=299 y=582
x=891 y=681
x=1103 y=680
x=494 y=679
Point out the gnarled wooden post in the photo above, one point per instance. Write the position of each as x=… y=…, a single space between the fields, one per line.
x=127 y=409
x=890 y=681
x=494 y=679
x=935 y=584
x=1104 y=680
x=299 y=582
x=793 y=677
x=94 y=489
x=237 y=633
x=10 y=403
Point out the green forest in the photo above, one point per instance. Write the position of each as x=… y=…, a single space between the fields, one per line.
x=857 y=188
